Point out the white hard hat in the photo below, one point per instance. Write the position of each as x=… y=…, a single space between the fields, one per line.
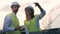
x=29 y=7
x=15 y=4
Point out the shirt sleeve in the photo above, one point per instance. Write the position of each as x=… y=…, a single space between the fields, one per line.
x=7 y=24
x=26 y=30
x=40 y=16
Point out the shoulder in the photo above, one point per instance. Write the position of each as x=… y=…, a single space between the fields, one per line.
x=37 y=15
x=8 y=17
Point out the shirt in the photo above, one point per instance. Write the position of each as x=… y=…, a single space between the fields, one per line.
x=7 y=23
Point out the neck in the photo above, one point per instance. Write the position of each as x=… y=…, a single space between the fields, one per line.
x=14 y=13
x=29 y=18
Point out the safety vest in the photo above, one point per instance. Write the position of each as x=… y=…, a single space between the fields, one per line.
x=31 y=25
x=15 y=22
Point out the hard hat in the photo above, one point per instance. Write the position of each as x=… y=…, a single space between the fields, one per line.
x=15 y=4
x=29 y=7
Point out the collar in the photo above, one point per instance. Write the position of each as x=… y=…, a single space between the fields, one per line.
x=14 y=13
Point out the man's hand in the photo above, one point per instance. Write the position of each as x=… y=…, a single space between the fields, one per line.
x=22 y=28
x=17 y=28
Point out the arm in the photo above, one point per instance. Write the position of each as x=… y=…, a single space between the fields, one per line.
x=24 y=30
x=7 y=24
x=42 y=11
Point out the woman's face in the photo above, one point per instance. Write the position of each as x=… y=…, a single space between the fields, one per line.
x=28 y=13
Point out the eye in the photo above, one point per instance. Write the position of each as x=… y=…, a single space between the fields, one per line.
x=15 y=7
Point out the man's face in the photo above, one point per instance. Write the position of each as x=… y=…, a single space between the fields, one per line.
x=15 y=9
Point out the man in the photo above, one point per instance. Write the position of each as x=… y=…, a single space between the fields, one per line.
x=11 y=22
x=32 y=22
